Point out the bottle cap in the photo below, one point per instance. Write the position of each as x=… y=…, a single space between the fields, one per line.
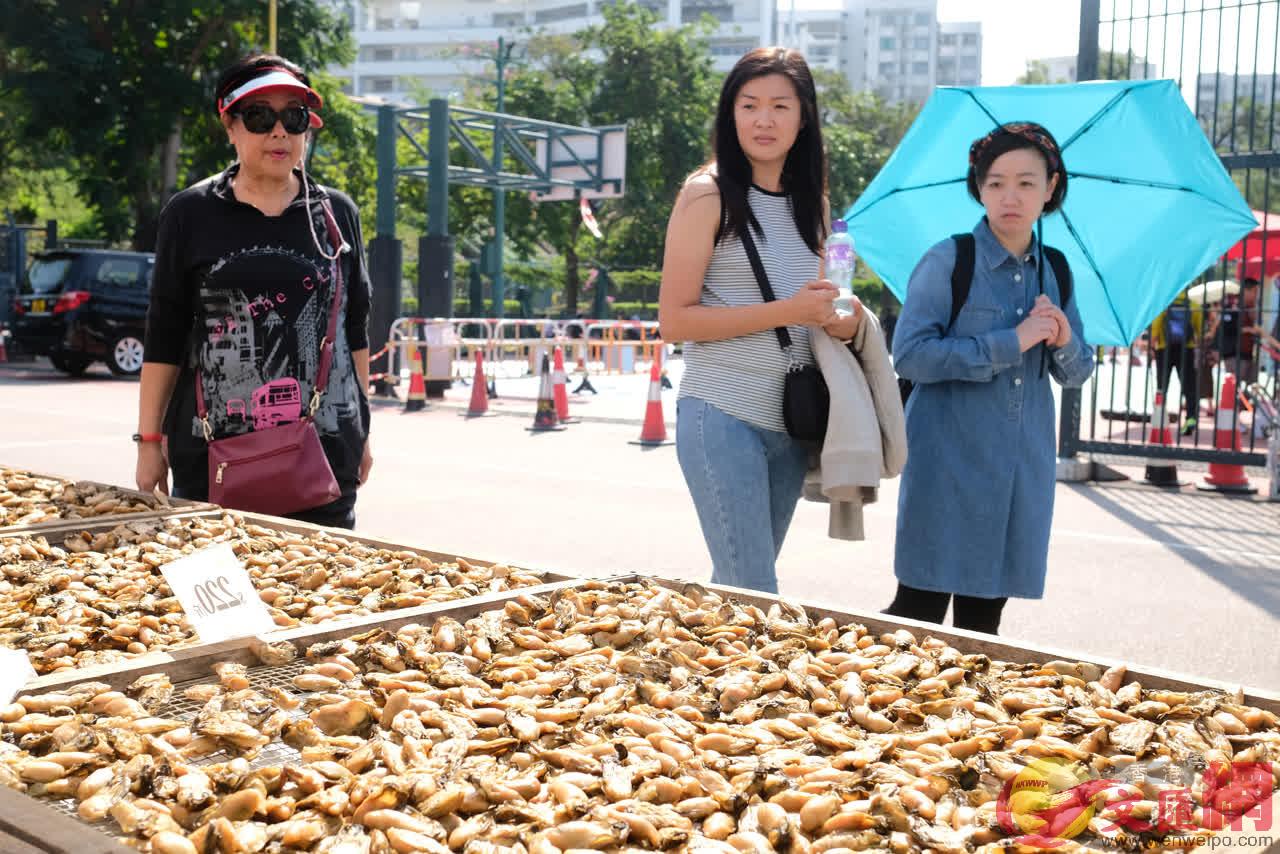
x=839 y=226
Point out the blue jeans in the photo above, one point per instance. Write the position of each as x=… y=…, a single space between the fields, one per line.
x=745 y=482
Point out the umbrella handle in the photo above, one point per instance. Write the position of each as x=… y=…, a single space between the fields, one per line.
x=1044 y=348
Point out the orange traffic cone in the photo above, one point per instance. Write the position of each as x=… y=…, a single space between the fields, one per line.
x=1227 y=477
x=654 y=432
x=544 y=417
x=417 y=399
x=559 y=390
x=1161 y=472
x=479 y=406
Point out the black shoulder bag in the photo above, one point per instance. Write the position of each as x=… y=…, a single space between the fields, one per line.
x=806 y=402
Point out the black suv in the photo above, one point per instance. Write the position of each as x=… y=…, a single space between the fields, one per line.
x=77 y=306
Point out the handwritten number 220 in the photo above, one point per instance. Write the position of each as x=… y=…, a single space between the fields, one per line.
x=215 y=595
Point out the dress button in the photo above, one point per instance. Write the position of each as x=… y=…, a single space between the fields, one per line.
x=1019 y=312
x=1017 y=277
x=1018 y=381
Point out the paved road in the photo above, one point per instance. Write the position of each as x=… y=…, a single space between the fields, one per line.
x=1186 y=582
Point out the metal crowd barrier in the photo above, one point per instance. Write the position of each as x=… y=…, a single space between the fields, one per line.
x=599 y=346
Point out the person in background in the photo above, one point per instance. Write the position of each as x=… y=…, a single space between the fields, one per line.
x=977 y=494
x=1249 y=326
x=1176 y=335
x=241 y=296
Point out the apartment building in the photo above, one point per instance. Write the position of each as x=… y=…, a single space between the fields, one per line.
x=409 y=47
x=897 y=48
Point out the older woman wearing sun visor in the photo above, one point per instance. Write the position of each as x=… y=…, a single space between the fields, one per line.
x=254 y=383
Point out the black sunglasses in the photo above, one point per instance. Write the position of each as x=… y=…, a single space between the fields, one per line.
x=259 y=118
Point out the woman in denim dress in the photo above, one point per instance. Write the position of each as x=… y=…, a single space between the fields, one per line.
x=976 y=501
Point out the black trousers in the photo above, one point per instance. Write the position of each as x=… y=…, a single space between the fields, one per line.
x=338 y=514
x=1183 y=360
x=968 y=612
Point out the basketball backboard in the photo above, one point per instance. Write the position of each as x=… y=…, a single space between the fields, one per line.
x=581 y=158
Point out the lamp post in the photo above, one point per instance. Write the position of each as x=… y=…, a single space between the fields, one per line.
x=501 y=58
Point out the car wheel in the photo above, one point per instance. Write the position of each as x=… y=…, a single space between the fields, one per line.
x=125 y=358
x=71 y=365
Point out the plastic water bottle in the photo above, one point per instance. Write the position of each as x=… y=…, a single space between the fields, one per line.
x=840 y=260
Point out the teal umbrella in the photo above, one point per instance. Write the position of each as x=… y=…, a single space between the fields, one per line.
x=1149 y=205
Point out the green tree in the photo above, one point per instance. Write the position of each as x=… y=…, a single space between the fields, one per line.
x=658 y=82
x=860 y=130
x=1037 y=73
x=1243 y=126
x=1111 y=66
x=116 y=87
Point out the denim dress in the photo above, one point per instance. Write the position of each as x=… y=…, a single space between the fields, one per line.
x=976 y=499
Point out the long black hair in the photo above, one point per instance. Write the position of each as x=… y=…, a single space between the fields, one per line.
x=804 y=173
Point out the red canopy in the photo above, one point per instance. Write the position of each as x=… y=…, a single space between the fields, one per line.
x=1259 y=251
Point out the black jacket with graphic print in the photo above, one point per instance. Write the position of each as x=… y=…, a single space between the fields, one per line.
x=246 y=297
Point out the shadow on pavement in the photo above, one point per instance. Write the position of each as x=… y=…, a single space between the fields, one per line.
x=1235 y=542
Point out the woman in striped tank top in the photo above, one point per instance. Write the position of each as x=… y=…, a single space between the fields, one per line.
x=768 y=172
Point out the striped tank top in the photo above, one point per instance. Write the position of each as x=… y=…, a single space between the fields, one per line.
x=744 y=376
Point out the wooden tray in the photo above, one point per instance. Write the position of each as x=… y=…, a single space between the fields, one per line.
x=28 y=826
x=1004 y=649
x=196 y=662
x=207 y=653
x=176 y=506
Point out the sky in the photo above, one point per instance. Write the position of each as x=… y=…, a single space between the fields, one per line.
x=1014 y=31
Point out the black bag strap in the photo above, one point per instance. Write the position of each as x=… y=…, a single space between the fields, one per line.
x=762 y=279
x=1061 y=272
x=961 y=273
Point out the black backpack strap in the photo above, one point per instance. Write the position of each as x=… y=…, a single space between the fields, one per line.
x=961 y=273
x=1061 y=272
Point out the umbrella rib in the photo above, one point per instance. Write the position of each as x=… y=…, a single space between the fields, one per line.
x=983 y=107
x=897 y=190
x=1095 y=118
x=1093 y=265
x=1158 y=185
x=1136 y=182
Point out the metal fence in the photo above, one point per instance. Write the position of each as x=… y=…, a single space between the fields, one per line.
x=1223 y=54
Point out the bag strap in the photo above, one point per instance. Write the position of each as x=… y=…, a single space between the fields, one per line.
x=961 y=273
x=326 y=345
x=1061 y=272
x=762 y=279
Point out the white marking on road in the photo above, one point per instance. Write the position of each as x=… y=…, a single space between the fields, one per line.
x=1208 y=551
x=44 y=443
x=78 y=414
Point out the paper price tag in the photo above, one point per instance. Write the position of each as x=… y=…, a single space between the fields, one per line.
x=217 y=594
x=15 y=671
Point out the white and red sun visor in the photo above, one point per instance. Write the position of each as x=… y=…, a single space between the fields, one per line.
x=275 y=80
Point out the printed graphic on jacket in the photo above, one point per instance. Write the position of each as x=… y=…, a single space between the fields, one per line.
x=265 y=311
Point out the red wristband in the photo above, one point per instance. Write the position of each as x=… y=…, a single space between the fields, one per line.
x=148 y=437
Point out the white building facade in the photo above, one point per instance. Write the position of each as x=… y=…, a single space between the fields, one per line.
x=960 y=54
x=1062 y=69
x=407 y=48
x=896 y=48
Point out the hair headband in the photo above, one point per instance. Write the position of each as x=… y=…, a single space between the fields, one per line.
x=1031 y=132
